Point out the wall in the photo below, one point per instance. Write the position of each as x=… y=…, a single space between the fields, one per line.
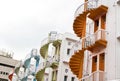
x=8 y=67
x=117 y=41
x=63 y=69
x=112 y=46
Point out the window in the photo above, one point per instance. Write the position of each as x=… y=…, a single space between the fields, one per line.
x=1 y=72
x=97 y=23
x=66 y=70
x=69 y=43
x=73 y=78
x=6 y=73
x=95 y=59
x=65 y=78
x=68 y=51
x=102 y=56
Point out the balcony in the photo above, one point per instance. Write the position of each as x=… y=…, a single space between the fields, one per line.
x=95 y=42
x=86 y=6
x=95 y=76
x=91 y=9
x=56 y=40
x=51 y=62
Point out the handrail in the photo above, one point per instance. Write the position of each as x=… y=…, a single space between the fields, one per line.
x=95 y=33
x=77 y=46
x=94 y=76
x=89 y=5
x=89 y=40
x=48 y=63
x=47 y=39
x=44 y=41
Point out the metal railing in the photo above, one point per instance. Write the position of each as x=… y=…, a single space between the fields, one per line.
x=48 y=62
x=95 y=76
x=91 y=39
x=51 y=39
x=86 y=6
x=44 y=41
x=77 y=46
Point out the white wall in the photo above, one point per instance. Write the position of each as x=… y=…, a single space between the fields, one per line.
x=65 y=58
x=113 y=46
x=118 y=42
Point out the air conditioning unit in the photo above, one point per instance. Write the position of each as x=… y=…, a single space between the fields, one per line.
x=118 y=37
x=118 y=2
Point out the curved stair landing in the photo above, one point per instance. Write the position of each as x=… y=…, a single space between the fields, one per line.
x=76 y=63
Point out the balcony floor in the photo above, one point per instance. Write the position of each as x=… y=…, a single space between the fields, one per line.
x=98 y=46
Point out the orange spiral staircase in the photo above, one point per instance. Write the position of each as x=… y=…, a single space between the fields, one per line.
x=79 y=27
x=76 y=63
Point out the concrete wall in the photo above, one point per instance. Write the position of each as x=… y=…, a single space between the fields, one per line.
x=6 y=69
x=63 y=69
x=117 y=41
x=112 y=66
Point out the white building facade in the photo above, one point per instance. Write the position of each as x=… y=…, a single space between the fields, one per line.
x=97 y=23
x=62 y=71
x=7 y=64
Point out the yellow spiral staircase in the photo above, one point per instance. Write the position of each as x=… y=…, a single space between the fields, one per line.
x=44 y=53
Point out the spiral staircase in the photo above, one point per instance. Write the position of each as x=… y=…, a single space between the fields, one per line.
x=24 y=74
x=53 y=62
x=76 y=63
x=95 y=42
x=79 y=25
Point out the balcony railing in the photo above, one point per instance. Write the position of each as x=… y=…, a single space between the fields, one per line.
x=77 y=46
x=48 y=63
x=91 y=39
x=44 y=41
x=95 y=76
x=86 y=6
x=51 y=39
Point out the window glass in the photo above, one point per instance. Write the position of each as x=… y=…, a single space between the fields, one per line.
x=65 y=78
x=73 y=78
x=68 y=51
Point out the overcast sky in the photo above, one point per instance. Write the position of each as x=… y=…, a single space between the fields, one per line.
x=25 y=23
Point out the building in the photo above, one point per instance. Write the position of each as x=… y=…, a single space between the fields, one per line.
x=26 y=70
x=97 y=23
x=56 y=51
x=7 y=64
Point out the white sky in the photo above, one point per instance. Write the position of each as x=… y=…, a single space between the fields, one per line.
x=25 y=23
